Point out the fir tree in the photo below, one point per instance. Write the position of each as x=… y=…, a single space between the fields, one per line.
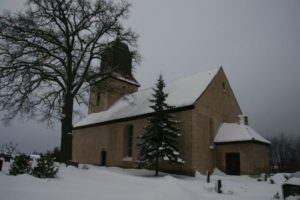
x=159 y=139
x=20 y=165
x=45 y=166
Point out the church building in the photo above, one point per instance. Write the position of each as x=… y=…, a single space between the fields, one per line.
x=214 y=131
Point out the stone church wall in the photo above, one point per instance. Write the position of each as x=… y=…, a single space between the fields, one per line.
x=254 y=157
x=89 y=142
x=216 y=105
x=110 y=91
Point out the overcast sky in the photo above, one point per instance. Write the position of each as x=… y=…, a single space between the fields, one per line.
x=257 y=42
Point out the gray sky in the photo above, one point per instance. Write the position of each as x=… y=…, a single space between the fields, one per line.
x=257 y=42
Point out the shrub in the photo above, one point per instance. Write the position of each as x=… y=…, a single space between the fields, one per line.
x=56 y=154
x=20 y=165
x=45 y=166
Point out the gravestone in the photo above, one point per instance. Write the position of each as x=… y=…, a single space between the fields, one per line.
x=1 y=163
x=208 y=176
x=291 y=187
x=218 y=186
x=72 y=163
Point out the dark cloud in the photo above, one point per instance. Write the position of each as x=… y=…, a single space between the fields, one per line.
x=257 y=42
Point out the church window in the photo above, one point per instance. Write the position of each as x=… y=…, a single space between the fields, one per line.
x=223 y=85
x=98 y=99
x=128 y=141
x=211 y=130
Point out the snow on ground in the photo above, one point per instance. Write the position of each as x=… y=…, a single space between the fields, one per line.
x=111 y=183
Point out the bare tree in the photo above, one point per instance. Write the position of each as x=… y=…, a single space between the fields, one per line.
x=49 y=54
x=283 y=154
x=297 y=152
x=9 y=148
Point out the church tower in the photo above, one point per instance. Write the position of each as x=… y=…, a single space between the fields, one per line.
x=117 y=63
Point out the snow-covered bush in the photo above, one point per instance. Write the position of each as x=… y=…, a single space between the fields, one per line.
x=20 y=165
x=45 y=167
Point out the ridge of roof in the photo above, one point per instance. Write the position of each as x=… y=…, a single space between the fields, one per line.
x=138 y=103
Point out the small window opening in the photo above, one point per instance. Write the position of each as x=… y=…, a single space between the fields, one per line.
x=98 y=99
x=129 y=138
x=246 y=120
x=223 y=85
x=211 y=130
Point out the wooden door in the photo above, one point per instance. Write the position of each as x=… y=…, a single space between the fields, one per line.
x=233 y=164
x=103 y=158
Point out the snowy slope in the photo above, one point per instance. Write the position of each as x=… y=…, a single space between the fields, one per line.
x=115 y=184
x=182 y=92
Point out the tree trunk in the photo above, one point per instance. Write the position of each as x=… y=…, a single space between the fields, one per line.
x=66 y=129
x=156 y=165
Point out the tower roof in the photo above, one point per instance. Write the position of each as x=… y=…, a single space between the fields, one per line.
x=117 y=60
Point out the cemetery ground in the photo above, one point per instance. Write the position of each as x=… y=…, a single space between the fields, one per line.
x=111 y=183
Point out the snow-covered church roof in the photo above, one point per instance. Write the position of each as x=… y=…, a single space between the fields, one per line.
x=182 y=92
x=236 y=132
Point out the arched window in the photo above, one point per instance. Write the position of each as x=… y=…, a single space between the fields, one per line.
x=128 y=141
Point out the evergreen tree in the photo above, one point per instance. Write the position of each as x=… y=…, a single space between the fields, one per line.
x=56 y=154
x=45 y=166
x=159 y=139
x=20 y=165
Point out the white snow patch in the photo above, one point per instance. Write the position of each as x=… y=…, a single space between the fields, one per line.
x=35 y=156
x=296 y=174
x=218 y=172
x=234 y=132
x=293 y=181
x=127 y=159
x=297 y=197
x=279 y=178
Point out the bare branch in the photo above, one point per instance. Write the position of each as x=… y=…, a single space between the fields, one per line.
x=51 y=51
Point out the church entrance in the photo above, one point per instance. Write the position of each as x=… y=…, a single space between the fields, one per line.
x=103 y=158
x=233 y=164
